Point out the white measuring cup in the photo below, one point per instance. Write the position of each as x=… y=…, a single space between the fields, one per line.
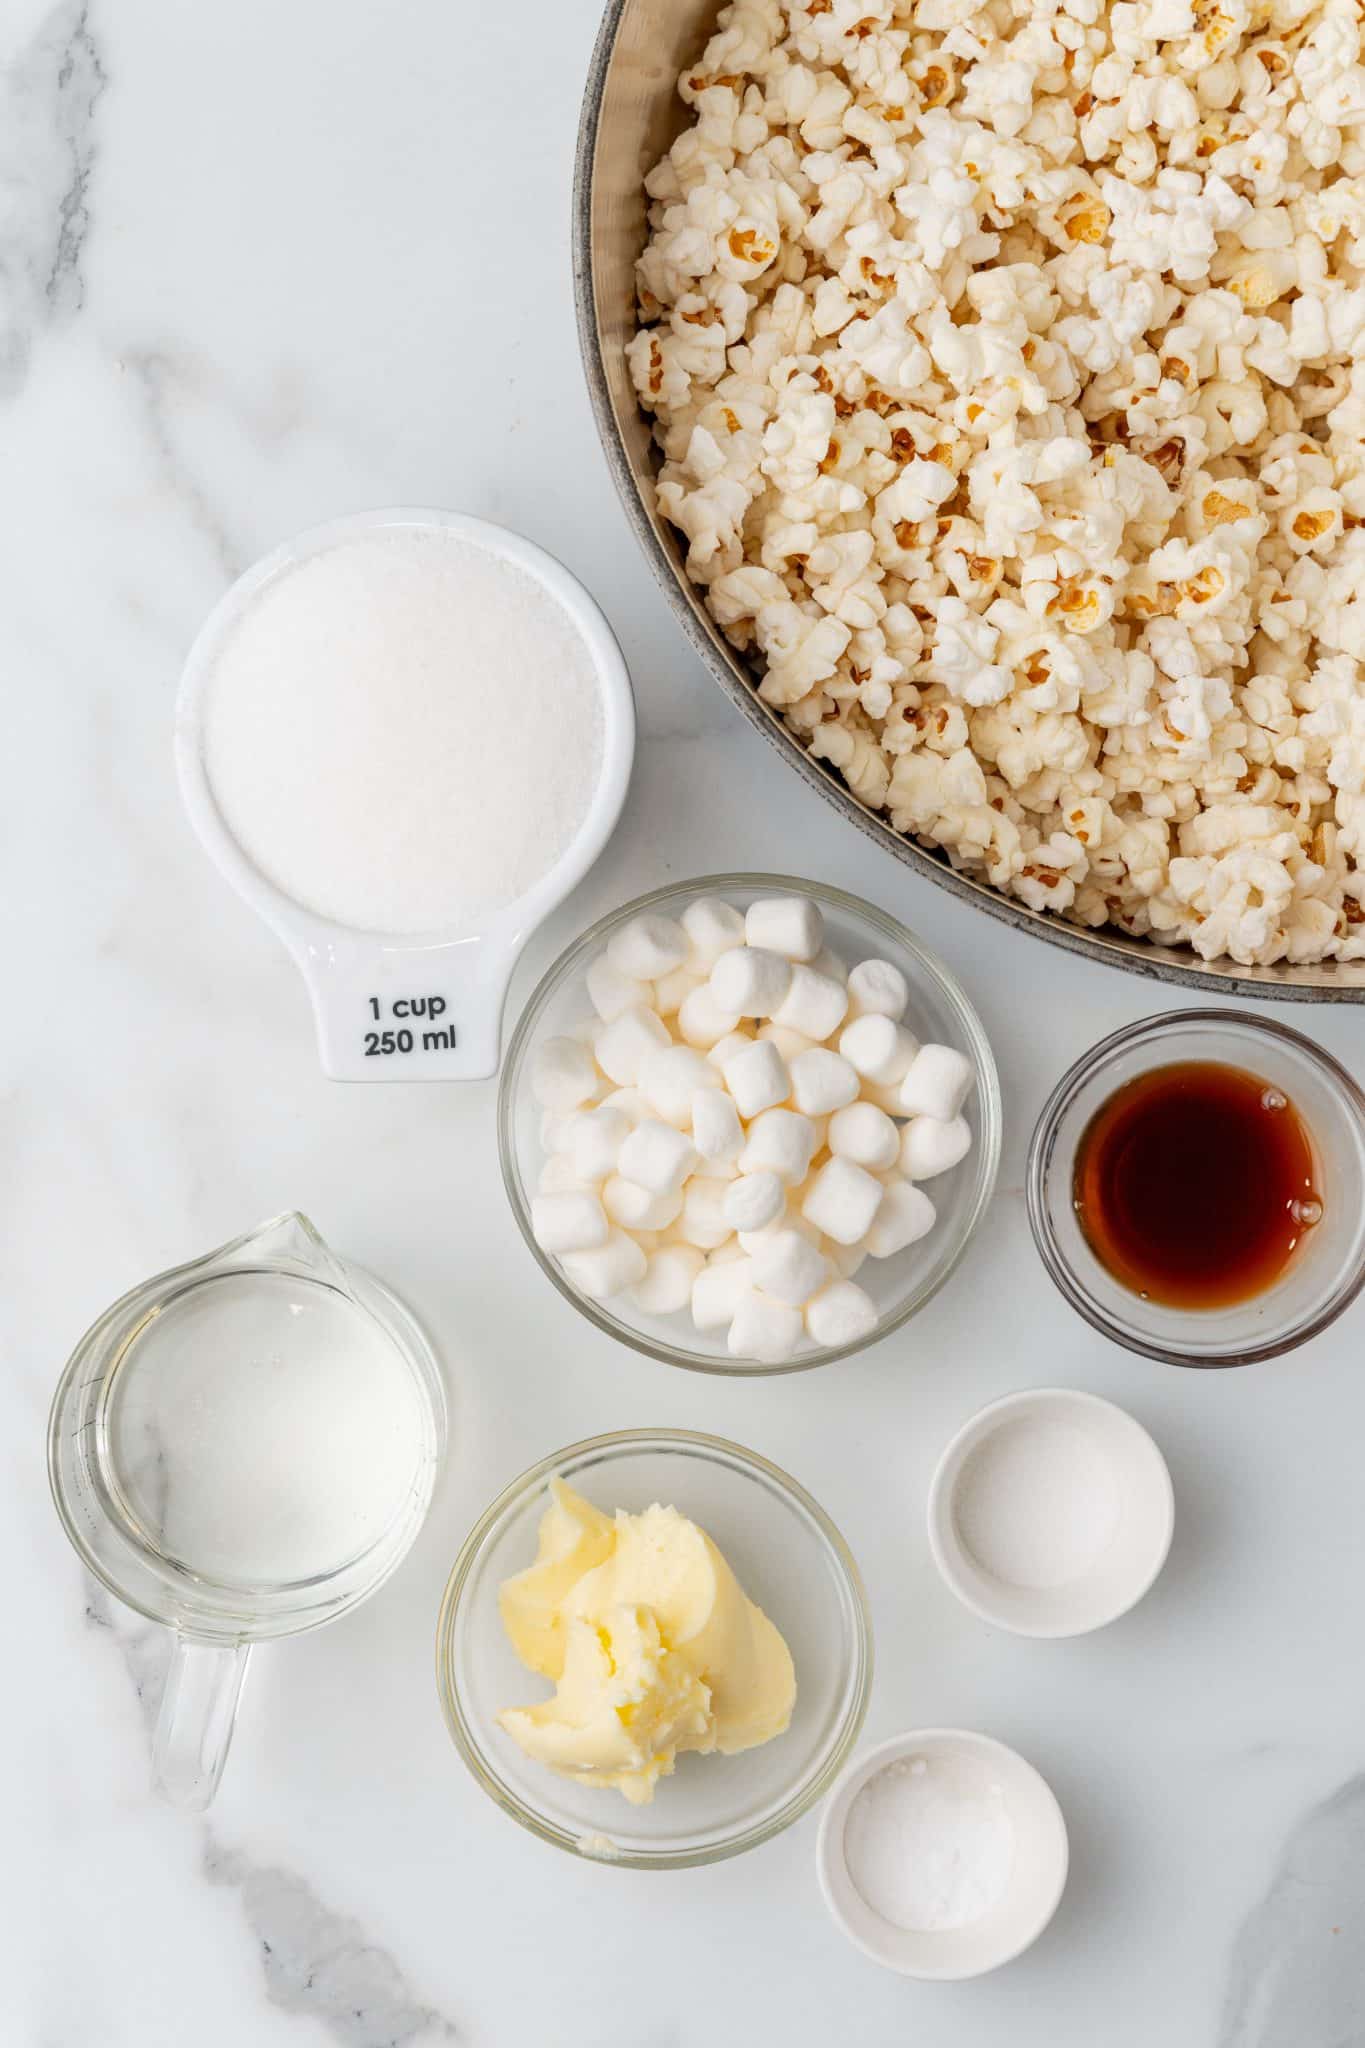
x=428 y=1006
x=243 y=1448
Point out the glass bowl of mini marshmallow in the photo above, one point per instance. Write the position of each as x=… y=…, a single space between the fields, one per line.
x=748 y=1124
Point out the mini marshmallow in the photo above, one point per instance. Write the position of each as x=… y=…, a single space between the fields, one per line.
x=789 y=925
x=667 y=1284
x=733 y=1042
x=906 y=1213
x=593 y=1141
x=930 y=1146
x=791 y=1044
x=840 y=1314
x=750 y=981
x=571 y=1222
x=781 y=1141
x=718 y=1290
x=753 y=1200
x=789 y=1267
x=831 y=966
x=936 y=1083
x=717 y=1132
x=563 y=1074
x=672 y=990
x=846 y=1259
x=813 y=1005
x=610 y=991
x=670 y=1077
x=764 y=1330
x=557 y=1176
x=713 y=927
x=880 y=1049
x=866 y=1135
x=843 y=1200
x=822 y=1081
x=883 y=1098
x=637 y=1208
x=751 y=1240
x=703 y=1212
x=656 y=1157
x=554 y=1130
x=624 y=1045
x=757 y=1078
x=629 y=1101
x=608 y=1270
x=877 y=989
x=648 y=947
x=701 y=1021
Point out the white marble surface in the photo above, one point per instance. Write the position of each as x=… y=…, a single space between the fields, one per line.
x=260 y=264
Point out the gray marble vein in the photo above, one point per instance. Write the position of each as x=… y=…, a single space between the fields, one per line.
x=144 y=1646
x=316 y=1962
x=164 y=380
x=320 y=1963
x=1298 y=1969
x=49 y=90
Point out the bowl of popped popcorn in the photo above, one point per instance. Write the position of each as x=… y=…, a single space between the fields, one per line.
x=748 y=1124
x=986 y=385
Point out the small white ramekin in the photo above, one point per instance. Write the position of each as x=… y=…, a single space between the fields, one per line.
x=1121 y=1568
x=1032 y=1892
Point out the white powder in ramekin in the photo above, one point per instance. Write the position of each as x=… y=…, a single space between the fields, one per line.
x=404 y=732
x=928 y=1846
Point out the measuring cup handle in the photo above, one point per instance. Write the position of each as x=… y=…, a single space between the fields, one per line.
x=198 y=1711
x=399 y=1011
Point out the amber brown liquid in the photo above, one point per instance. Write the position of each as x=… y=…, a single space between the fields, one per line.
x=1195 y=1184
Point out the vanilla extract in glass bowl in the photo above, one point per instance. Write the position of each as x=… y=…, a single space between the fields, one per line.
x=1196 y=1187
x=1195 y=1184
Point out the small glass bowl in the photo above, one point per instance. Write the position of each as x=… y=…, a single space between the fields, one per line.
x=938 y=1011
x=789 y=1558
x=1328 y=1269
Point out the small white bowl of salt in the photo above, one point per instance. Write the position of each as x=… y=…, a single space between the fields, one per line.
x=403 y=737
x=942 y=1854
x=1051 y=1512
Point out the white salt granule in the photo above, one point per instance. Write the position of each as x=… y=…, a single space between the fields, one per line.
x=404 y=732
x=929 y=1847
x=1037 y=1503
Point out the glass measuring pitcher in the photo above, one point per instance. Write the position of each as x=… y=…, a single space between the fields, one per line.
x=241 y=1448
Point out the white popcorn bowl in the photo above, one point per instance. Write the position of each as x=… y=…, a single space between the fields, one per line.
x=938 y=1010
x=1036 y=1882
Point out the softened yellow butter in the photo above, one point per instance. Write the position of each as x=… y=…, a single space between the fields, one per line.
x=651 y=1643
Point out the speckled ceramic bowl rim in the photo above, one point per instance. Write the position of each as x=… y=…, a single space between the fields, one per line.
x=1179 y=967
x=532 y=1481
x=986 y=1152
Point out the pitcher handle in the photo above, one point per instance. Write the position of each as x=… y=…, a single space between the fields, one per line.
x=194 y=1728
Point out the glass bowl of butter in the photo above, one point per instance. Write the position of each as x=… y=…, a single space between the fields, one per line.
x=654 y=1649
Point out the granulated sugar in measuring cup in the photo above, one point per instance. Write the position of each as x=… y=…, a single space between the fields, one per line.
x=403 y=738
x=243 y=1448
